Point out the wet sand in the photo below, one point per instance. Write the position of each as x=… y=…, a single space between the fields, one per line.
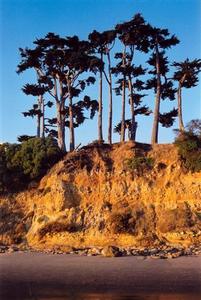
x=33 y=275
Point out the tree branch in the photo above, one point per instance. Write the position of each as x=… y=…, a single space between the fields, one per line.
x=112 y=45
x=75 y=77
x=46 y=125
x=106 y=77
x=60 y=89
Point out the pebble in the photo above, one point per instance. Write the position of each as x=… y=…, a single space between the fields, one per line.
x=163 y=252
x=111 y=251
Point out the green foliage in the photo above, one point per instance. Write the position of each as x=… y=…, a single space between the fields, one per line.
x=189 y=149
x=10 y=176
x=36 y=156
x=140 y=163
x=194 y=126
x=30 y=160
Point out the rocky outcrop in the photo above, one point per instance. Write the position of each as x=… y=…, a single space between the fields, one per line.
x=93 y=198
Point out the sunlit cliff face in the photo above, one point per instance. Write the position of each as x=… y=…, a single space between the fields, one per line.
x=96 y=197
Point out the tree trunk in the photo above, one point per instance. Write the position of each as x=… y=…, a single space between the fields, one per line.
x=43 y=118
x=123 y=111
x=71 y=127
x=39 y=116
x=60 y=123
x=61 y=135
x=123 y=101
x=154 y=138
x=181 y=124
x=180 y=115
x=100 y=106
x=110 y=101
x=128 y=132
x=133 y=122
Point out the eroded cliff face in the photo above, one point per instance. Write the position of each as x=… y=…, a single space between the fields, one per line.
x=93 y=198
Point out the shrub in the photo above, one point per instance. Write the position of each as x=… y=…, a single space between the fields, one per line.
x=10 y=176
x=194 y=126
x=140 y=163
x=30 y=160
x=189 y=150
x=36 y=156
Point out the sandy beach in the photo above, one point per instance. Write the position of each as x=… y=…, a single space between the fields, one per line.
x=37 y=275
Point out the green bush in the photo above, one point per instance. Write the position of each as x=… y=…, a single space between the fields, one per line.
x=189 y=150
x=140 y=163
x=36 y=156
x=30 y=160
x=10 y=176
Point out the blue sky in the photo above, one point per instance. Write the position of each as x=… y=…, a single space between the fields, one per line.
x=24 y=20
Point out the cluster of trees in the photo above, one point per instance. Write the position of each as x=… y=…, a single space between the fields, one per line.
x=64 y=67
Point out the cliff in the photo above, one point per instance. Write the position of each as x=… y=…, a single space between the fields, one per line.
x=94 y=197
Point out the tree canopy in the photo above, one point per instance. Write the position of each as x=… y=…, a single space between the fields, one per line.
x=65 y=66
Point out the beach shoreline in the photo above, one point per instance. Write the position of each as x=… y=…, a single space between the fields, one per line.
x=24 y=274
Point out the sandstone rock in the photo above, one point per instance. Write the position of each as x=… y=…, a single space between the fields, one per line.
x=176 y=254
x=159 y=206
x=11 y=250
x=153 y=251
x=127 y=252
x=2 y=247
x=94 y=251
x=162 y=256
x=155 y=256
x=111 y=251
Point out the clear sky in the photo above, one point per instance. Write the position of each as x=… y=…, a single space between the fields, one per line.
x=24 y=20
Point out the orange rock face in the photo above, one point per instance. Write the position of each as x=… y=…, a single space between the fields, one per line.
x=95 y=197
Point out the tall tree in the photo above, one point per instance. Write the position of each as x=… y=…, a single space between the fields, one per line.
x=38 y=110
x=109 y=41
x=133 y=35
x=60 y=63
x=143 y=110
x=186 y=75
x=97 y=43
x=39 y=113
x=79 y=110
x=135 y=87
x=166 y=88
x=127 y=125
x=159 y=40
x=120 y=70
